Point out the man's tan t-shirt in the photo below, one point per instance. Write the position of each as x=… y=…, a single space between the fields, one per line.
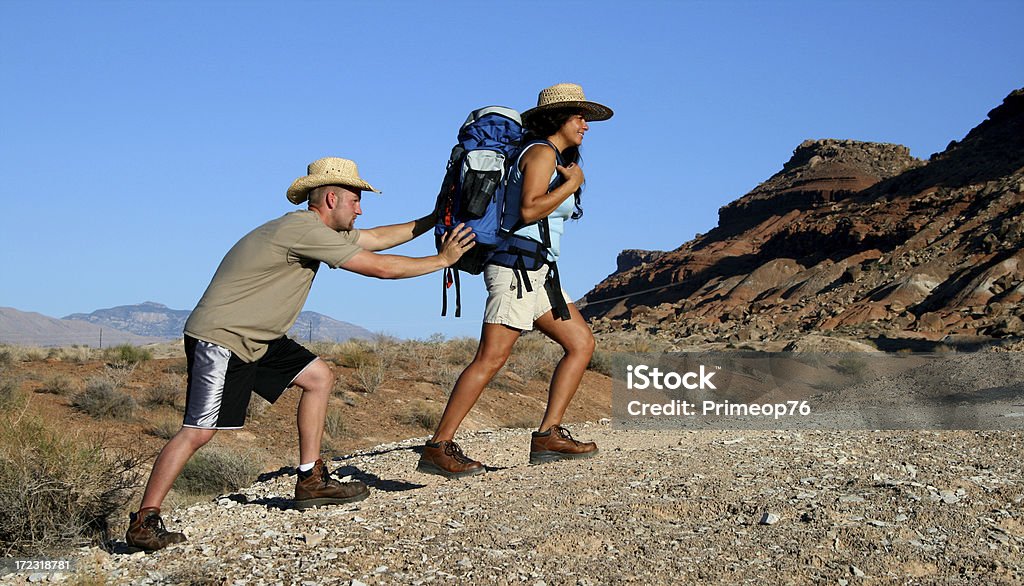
x=262 y=283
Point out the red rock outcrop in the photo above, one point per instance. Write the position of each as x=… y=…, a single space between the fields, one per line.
x=849 y=237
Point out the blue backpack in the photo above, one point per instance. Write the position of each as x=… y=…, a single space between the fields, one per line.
x=474 y=193
x=473 y=190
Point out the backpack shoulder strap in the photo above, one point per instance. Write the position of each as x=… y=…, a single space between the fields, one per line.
x=526 y=146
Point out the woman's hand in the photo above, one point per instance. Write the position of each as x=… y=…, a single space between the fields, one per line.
x=572 y=174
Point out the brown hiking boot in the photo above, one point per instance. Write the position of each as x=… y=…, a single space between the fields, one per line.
x=557 y=444
x=146 y=531
x=318 y=489
x=446 y=459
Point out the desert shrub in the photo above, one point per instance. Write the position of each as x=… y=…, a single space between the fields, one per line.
x=257 y=407
x=170 y=392
x=334 y=424
x=101 y=400
x=119 y=374
x=323 y=349
x=165 y=428
x=126 y=354
x=601 y=362
x=6 y=356
x=461 y=350
x=11 y=393
x=446 y=375
x=33 y=354
x=179 y=367
x=75 y=354
x=58 y=384
x=352 y=353
x=520 y=421
x=370 y=374
x=423 y=413
x=58 y=490
x=216 y=470
x=532 y=358
x=850 y=366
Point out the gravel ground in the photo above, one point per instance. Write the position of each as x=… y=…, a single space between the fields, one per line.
x=655 y=507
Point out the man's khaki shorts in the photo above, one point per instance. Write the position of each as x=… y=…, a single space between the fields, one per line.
x=503 y=303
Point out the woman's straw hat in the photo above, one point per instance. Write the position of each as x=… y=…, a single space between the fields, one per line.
x=568 y=95
x=327 y=171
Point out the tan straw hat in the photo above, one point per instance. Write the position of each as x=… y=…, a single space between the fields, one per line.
x=568 y=95
x=327 y=171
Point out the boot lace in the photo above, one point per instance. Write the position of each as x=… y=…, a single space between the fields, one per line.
x=325 y=476
x=564 y=433
x=452 y=449
x=156 y=524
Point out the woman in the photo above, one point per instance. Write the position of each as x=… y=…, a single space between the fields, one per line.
x=523 y=294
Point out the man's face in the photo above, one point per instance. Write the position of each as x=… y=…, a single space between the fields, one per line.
x=347 y=207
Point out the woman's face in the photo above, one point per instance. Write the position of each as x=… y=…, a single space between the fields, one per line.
x=573 y=129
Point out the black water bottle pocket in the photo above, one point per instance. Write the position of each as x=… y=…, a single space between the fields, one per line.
x=478 y=189
x=481 y=177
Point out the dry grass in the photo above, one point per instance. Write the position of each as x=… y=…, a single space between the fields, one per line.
x=59 y=384
x=371 y=374
x=334 y=424
x=165 y=427
x=446 y=376
x=120 y=374
x=534 y=358
x=461 y=350
x=127 y=354
x=12 y=396
x=520 y=421
x=102 y=400
x=601 y=362
x=257 y=407
x=170 y=392
x=216 y=470
x=424 y=414
x=58 y=490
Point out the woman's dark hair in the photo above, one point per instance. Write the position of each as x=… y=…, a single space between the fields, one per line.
x=542 y=125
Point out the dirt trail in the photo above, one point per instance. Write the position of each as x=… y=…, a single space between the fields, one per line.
x=653 y=507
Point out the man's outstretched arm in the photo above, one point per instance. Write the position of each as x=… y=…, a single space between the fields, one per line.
x=385 y=237
x=392 y=266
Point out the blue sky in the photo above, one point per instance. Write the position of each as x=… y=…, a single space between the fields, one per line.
x=139 y=141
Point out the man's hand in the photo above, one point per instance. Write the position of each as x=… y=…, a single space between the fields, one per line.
x=573 y=175
x=455 y=243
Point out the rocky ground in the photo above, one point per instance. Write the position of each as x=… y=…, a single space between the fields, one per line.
x=653 y=507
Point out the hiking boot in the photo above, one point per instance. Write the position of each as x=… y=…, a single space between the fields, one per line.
x=316 y=488
x=557 y=444
x=446 y=459
x=146 y=531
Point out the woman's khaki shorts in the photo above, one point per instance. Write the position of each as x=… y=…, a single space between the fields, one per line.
x=503 y=303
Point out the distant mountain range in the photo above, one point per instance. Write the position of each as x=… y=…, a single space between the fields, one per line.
x=142 y=324
x=35 y=329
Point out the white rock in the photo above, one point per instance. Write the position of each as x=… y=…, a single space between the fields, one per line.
x=769 y=519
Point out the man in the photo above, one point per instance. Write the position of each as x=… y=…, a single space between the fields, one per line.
x=235 y=338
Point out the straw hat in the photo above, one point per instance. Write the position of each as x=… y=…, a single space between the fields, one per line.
x=327 y=171
x=568 y=95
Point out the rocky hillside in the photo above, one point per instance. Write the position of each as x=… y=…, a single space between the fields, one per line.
x=850 y=239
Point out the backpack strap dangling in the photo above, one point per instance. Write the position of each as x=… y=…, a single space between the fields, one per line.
x=553 y=287
x=445 y=283
x=458 y=294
